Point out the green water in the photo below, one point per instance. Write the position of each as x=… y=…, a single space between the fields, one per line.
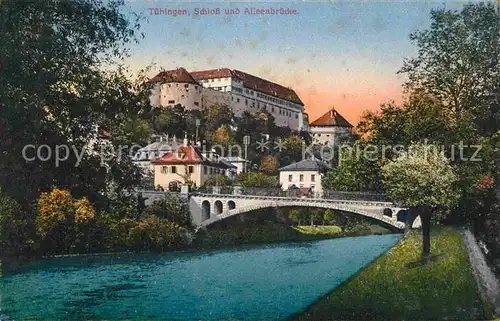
x=257 y=283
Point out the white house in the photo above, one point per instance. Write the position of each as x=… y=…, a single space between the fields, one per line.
x=240 y=163
x=304 y=174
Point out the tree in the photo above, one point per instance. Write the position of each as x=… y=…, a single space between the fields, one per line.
x=172 y=208
x=295 y=216
x=57 y=216
x=218 y=115
x=293 y=146
x=316 y=215
x=356 y=172
x=269 y=165
x=329 y=216
x=222 y=136
x=257 y=179
x=218 y=180
x=458 y=63
x=42 y=102
x=423 y=180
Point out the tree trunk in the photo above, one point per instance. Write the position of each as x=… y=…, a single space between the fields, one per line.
x=425 y=217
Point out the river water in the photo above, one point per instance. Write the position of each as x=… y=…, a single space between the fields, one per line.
x=253 y=283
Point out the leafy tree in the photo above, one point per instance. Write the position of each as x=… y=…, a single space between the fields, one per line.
x=55 y=91
x=458 y=63
x=218 y=180
x=422 y=179
x=15 y=227
x=173 y=209
x=57 y=216
x=222 y=136
x=295 y=216
x=257 y=179
x=269 y=165
x=356 y=172
x=316 y=215
x=329 y=216
x=157 y=234
x=218 y=115
x=293 y=146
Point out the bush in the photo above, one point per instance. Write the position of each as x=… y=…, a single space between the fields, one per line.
x=15 y=227
x=157 y=234
x=172 y=208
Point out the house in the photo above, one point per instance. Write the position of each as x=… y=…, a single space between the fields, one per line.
x=186 y=165
x=305 y=174
x=240 y=163
x=146 y=154
x=331 y=128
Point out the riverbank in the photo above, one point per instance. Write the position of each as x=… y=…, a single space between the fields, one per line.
x=275 y=232
x=397 y=286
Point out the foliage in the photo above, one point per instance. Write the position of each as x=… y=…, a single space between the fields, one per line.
x=14 y=227
x=316 y=215
x=354 y=173
x=257 y=179
x=84 y=210
x=295 y=216
x=269 y=165
x=329 y=216
x=458 y=63
x=67 y=104
x=421 y=176
x=396 y=287
x=157 y=234
x=218 y=180
x=222 y=136
x=172 y=208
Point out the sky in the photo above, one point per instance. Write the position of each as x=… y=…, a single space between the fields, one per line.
x=333 y=54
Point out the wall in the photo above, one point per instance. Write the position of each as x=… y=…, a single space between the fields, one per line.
x=307 y=181
x=323 y=135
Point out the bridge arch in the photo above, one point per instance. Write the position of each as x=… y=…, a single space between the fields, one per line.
x=205 y=210
x=231 y=205
x=218 y=207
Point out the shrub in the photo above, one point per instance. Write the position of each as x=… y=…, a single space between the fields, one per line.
x=157 y=234
x=172 y=208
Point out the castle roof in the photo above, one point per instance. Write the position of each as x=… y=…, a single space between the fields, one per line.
x=179 y=75
x=249 y=81
x=331 y=119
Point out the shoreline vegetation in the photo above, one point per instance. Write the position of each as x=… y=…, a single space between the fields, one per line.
x=397 y=286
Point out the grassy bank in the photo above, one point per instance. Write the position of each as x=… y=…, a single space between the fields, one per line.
x=397 y=287
x=274 y=232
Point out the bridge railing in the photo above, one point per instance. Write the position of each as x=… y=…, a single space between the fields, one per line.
x=296 y=193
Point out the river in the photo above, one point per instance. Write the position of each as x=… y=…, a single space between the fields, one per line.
x=253 y=283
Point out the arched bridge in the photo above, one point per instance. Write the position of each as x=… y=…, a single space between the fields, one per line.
x=207 y=209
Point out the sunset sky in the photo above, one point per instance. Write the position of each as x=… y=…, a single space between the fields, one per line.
x=342 y=54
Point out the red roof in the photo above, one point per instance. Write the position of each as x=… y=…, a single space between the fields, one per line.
x=249 y=81
x=331 y=118
x=267 y=87
x=178 y=75
x=213 y=73
x=185 y=155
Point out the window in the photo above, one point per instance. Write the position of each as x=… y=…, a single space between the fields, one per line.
x=237 y=100
x=253 y=104
x=211 y=80
x=218 y=79
x=272 y=109
x=186 y=85
x=211 y=171
x=246 y=102
x=191 y=170
x=301 y=178
x=313 y=178
x=196 y=103
x=164 y=169
x=174 y=169
x=290 y=178
x=171 y=101
x=205 y=170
